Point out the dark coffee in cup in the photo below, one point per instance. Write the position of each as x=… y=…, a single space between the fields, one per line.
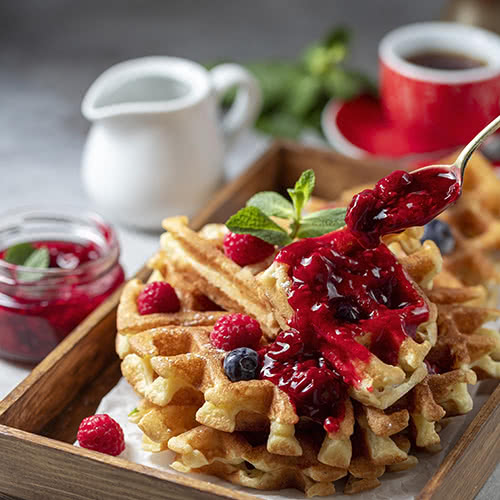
x=438 y=59
x=440 y=81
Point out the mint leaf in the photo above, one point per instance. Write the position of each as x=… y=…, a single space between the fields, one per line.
x=338 y=36
x=133 y=412
x=39 y=259
x=18 y=254
x=345 y=84
x=315 y=59
x=322 y=222
x=306 y=183
x=302 y=191
x=321 y=56
x=275 y=78
x=252 y=220
x=279 y=123
x=272 y=204
x=303 y=96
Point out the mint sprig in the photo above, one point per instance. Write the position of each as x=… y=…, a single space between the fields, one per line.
x=26 y=255
x=295 y=91
x=255 y=218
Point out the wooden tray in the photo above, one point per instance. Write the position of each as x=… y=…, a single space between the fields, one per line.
x=40 y=417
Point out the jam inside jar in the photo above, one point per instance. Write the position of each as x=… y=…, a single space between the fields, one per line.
x=39 y=307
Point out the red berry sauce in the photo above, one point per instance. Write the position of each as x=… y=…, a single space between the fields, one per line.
x=401 y=200
x=347 y=285
x=339 y=291
x=295 y=364
x=35 y=317
x=68 y=254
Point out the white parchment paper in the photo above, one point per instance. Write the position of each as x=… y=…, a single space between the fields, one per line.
x=395 y=486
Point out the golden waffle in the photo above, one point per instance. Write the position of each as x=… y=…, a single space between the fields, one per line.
x=164 y=361
x=189 y=291
x=475 y=223
x=436 y=397
x=422 y=261
x=161 y=423
x=464 y=342
x=130 y=321
x=464 y=346
x=232 y=457
x=226 y=283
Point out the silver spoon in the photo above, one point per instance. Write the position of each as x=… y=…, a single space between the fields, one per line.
x=464 y=156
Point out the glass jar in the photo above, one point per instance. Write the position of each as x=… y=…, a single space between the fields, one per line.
x=39 y=307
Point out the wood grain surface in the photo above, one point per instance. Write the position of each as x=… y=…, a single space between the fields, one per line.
x=39 y=468
x=40 y=417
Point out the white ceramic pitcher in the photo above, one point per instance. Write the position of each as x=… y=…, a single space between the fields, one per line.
x=156 y=143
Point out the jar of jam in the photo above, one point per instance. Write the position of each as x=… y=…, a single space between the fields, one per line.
x=39 y=306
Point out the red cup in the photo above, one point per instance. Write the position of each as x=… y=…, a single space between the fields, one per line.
x=442 y=108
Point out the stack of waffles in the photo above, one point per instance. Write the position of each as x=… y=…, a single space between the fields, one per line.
x=248 y=432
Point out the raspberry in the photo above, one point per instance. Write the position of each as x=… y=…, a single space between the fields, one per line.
x=158 y=297
x=101 y=433
x=235 y=330
x=246 y=249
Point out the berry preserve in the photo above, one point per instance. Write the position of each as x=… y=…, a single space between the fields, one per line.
x=340 y=292
x=401 y=200
x=351 y=298
x=40 y=306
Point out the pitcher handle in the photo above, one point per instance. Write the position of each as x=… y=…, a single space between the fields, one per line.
x=246 y=106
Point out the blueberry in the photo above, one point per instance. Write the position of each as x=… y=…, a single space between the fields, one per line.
x=440 y=233
x=346 y=310
x=241 y=364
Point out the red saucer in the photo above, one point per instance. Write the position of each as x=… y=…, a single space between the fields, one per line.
x=360 y=128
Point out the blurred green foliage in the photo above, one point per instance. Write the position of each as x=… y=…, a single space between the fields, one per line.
x=295 y=92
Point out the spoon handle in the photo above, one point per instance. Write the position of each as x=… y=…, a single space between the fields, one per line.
x=466 y=153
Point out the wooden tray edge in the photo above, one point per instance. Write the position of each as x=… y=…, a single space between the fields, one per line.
x=51 y=453
x=480 y=439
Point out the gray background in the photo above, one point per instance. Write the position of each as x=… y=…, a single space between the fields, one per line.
x=51 y=50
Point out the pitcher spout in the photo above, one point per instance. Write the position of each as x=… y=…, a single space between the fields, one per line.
x=145 y=86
